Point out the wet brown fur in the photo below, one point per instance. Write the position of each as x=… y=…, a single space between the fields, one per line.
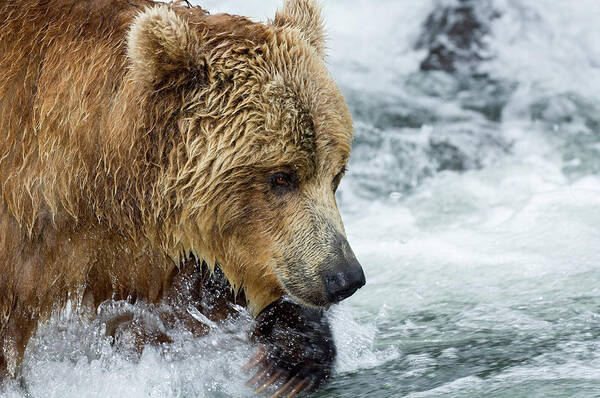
x=134 y=134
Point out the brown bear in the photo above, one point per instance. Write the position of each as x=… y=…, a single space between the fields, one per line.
x=144 y=144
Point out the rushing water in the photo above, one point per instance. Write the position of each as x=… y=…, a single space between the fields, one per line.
x=472 y=201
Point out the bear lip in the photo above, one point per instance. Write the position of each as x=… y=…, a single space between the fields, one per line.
x=306 y=302
x=293 y=299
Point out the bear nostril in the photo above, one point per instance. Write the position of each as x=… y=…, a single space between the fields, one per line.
x=341 y=285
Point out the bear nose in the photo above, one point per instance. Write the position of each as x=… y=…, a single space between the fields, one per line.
x=341 y=284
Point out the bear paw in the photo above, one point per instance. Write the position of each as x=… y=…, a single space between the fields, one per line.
x=296 y=349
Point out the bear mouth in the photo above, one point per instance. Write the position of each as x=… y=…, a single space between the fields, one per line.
x=304 y=298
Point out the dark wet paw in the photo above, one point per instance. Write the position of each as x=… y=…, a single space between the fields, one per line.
x=296 y=350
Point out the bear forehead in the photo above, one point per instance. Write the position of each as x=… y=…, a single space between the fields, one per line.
x=304 y=122
x=321 y=125
x=294 y=91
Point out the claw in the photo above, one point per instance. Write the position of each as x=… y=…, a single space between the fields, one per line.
x=259 y=375
x=269 y=382
x=258 y=358
x=285 y=387
x=312 y=385
x=298 y=389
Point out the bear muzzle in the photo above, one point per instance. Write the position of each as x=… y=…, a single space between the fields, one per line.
x=325 y=275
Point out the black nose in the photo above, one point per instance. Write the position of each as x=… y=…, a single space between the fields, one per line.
x=341 y=283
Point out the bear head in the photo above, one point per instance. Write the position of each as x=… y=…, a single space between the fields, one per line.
x=254 y=141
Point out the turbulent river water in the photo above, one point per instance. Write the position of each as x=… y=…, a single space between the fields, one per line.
x=472 y=201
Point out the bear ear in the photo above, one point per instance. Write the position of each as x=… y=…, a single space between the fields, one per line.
x=304 y=15
x=163 y=50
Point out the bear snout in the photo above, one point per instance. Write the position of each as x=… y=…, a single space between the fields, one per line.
x=345 y=275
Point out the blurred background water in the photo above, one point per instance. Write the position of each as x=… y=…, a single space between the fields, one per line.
x=472 y=200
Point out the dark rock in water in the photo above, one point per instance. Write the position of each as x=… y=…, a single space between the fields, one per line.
x=454 y=35
x=572 y=124
x=487 y=95
x=444 y=117
x=400 y=159
x=448 y=156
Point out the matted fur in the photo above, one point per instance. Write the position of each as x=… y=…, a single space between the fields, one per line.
x=135 y=134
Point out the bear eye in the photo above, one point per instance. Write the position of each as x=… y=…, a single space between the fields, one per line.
x=283 y=182
x=338 y=178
